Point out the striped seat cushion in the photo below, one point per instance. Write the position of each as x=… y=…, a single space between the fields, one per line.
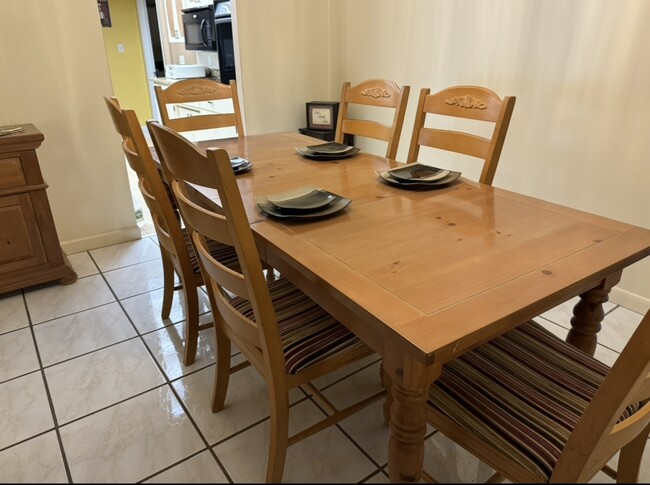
x=221 y=252
x=522 y=393
x=308 y=333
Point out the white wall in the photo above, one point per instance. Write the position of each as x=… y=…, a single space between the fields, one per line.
x=580 y=69
x=284 y=49
x=54 y=74
x=580 y=133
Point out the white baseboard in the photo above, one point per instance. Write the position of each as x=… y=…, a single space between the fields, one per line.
x=101 y=240
x=629 y=300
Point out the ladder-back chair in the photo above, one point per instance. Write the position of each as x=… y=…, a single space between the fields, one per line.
x=536 y=409
x=196 y=91
x=374 y=92
x=469 y=102
x=282 y=332
x=177 y=251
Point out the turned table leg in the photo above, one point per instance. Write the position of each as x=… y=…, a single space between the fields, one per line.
x=588 y=315
x=408 y=418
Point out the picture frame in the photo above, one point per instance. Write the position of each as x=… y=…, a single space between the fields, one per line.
x=322 y=115
x=104 y=13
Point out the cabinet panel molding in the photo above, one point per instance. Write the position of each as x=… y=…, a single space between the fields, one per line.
x=30 y=252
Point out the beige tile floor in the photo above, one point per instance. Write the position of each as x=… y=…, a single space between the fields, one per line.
x=92 y=389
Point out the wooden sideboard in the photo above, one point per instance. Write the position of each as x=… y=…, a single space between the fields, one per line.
x=30 y=252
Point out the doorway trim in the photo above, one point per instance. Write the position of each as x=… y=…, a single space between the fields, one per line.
x=147 y=50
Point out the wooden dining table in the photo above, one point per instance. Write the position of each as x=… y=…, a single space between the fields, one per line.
x=424 y=276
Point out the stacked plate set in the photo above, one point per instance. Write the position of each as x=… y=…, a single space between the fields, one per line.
x=328 y=151
x=305 y=202
x=240 y=165
x=418 y=176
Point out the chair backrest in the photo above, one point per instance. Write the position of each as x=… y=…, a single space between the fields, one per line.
x=123 y=128
x=155 y=193
x=469 y=102
x=374 y=92
x=198 y=90
x=601 y=431
x=253 y=329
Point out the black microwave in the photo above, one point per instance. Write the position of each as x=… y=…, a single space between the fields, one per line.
x=198 y=24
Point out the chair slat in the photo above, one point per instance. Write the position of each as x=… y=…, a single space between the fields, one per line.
x=455 y=141
x=202 y=122
x=370 y=129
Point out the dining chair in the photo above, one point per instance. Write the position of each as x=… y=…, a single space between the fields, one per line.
x=177 y=252
x=380 y=93
x=537 y=410
x=197 y=91
x=468 y=102
x=282 y=332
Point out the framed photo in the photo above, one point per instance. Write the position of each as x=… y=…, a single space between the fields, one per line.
x=104 y=13
x=322 y=115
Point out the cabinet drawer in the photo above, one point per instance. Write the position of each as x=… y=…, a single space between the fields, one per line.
x=11 y=173
x=21 y=245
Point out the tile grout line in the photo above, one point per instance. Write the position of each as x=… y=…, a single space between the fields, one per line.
x=55 y=421
x=168 y=383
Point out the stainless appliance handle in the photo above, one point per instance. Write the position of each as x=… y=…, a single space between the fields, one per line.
x=204 y=39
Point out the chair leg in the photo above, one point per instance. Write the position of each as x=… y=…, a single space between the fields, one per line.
x=279 y=434
x=222 y=371
x=629 y=460
x=168 y=286
x=388 y=383
x=191 y=323
x=270 y=272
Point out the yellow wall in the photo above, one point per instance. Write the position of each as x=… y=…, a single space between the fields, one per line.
x=128 y=71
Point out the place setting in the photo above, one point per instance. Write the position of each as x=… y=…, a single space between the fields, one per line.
x=329 y=151
x=240 y=165
x=417 y=176
x=304 y=202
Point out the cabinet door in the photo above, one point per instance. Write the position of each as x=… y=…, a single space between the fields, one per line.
x=21 y=245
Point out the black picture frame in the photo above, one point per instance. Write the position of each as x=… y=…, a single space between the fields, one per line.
x=322 y=115
x=104 y=13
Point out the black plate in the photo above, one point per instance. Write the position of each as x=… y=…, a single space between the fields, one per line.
x=242 y=168
x=332 y=208
x=414 y=185
x=335 y=156
x=417 y=172
x=304 y=199
x=329 y=148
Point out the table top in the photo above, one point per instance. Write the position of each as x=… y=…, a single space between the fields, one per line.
x=438 y=271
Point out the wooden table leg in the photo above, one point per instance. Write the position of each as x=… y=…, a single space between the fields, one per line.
x=410 y=386
x=588 y=315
